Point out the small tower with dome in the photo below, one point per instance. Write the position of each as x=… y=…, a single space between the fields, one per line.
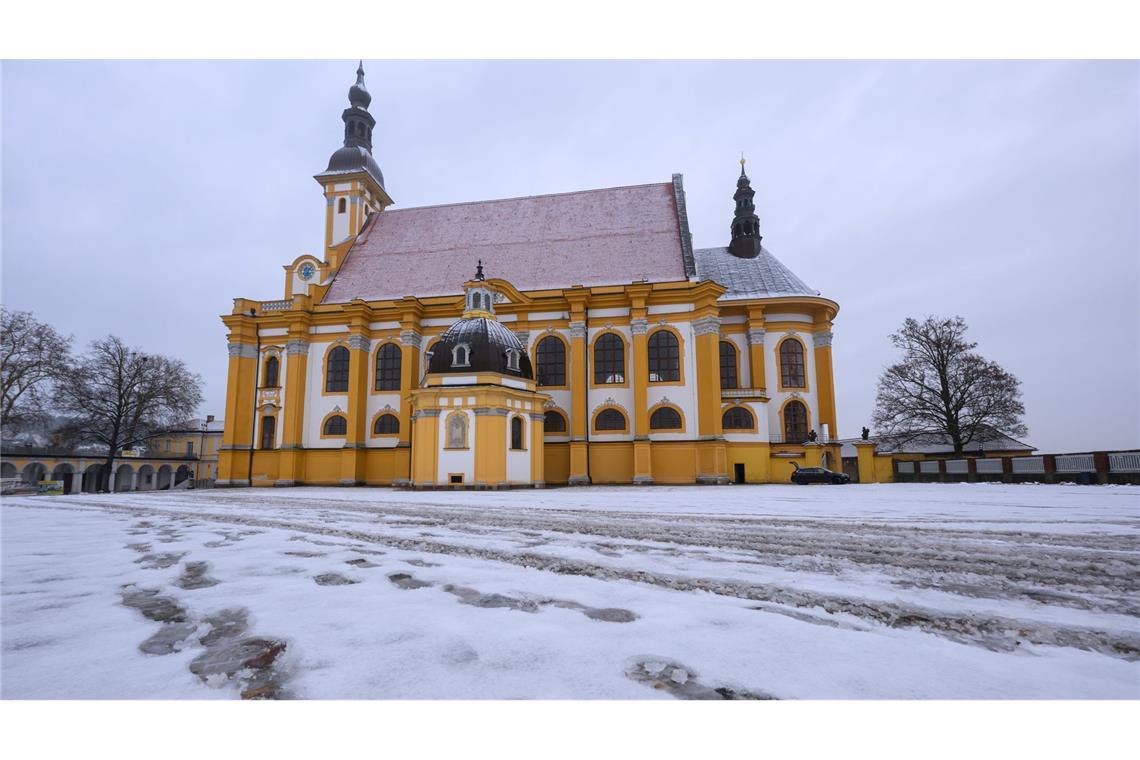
x=477 y=418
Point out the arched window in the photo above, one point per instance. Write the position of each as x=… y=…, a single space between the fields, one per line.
x=336 y=425
x=728 y=372
x=516 y=432
x=665 y=418
x=268 y=431
x=457 y=431
x=336 y=370
x=795 y=422
x=609 y=419
x=792 y=364
x=272 y=370
x=386 y=424
x=664 y=357
x=513 y=359
x=554 y=422
x=341 y=205
x=461 y=356
x=738 y=418
x=609 y=359
x=551 y=358
x=388 y=367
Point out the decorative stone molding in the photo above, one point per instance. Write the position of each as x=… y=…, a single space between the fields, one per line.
x=756 y=336
x=358 y=342
x=577 y=329
x=242 y=350
x=411 y=338
x=535 y=417
x=822 y=339
x=639 y=326
x=295 y=347
x=549 y=404
x=706 y=326
x=425 y=413
x=337 y=409
x=483 y=411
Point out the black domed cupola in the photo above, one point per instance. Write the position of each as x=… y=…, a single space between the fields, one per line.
x=745 y=224
x=477 y=342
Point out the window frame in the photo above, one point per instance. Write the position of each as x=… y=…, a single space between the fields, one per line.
x=378 y=372
x=654 y=411
x=725 y=411
x=272 y=420
x=539 y=363
x=609 y=431
x=271 y=360
x=329 y=418
x=516 y=419
x=565 y=431
x=373 y=428
x=649 y=351
x=735 y=365
x=784 y=421
x=624 y=355
x=803 y=364
x=327 y=368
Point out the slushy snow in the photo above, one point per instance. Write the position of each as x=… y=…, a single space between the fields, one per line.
x=864 y=591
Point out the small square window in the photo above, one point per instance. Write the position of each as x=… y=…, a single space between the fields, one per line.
x=456 y=478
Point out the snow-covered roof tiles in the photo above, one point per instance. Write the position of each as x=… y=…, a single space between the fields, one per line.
x=761 y=277
x=593 y=237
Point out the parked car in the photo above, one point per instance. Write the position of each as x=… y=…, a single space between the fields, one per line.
x=805 y=475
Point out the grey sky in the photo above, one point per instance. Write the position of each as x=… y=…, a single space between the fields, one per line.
x=139 y=198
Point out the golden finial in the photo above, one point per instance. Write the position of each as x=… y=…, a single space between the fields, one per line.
x=741 y=158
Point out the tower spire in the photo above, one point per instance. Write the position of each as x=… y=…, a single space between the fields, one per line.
x=745 y=224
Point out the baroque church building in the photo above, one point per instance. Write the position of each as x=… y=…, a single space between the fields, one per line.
x=557 y=339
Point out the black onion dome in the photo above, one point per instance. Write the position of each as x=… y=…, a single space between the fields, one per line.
x=487 y=341
x=352 y=158
x=358 y=93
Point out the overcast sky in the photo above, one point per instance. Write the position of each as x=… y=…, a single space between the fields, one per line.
x=139 y=198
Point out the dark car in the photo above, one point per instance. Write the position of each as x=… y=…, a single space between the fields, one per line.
x=805 y=475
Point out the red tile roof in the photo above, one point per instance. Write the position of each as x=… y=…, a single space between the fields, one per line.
x=593 y=237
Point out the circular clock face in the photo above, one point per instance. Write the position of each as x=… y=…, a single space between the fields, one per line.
x=307 y=270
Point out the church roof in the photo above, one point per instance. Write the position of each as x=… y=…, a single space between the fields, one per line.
x=487 y=343
x=760 y=277
x=611 y=236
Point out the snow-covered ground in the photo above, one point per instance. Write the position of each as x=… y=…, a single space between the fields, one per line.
x=890 y=591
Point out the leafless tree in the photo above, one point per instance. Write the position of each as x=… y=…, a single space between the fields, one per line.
x=32 y=353
x=942 y=388
x=118 y=397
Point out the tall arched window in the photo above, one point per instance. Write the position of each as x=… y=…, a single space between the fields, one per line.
x=341 y=205
x=457 y=431
x=388 y=367
x=386 y=424
x=665 y=418
x=795 y=422
x=272 y=370
x=554 y=422
x=792 y=364
x=550 y=354
x=268 y=431
x=738 y=418
x=609 y=359
x=728 y=366
x=516 y=432
x=664 y=357
x=336 y=370
x=336 y=425
x=609 y=419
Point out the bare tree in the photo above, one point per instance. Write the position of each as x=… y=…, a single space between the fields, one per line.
x=118 y=397
x=32 y=353
x=942 y=388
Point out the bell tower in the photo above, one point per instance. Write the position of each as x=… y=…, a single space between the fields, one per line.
x=745 y=224
x=353 y=182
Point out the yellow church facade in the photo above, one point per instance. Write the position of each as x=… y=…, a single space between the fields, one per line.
x=641 y=359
